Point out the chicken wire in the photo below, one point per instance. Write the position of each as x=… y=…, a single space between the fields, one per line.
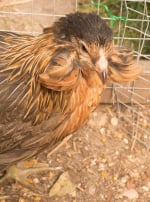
x=132 y=100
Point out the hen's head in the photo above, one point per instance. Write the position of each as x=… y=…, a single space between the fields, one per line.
x=92 y=40
x=90 y=35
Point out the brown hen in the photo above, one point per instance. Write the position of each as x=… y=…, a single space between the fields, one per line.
x=49 y=84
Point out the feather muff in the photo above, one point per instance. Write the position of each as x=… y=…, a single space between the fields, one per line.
x=122 y=67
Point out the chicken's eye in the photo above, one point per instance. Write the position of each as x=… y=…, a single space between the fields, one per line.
x=84 y=48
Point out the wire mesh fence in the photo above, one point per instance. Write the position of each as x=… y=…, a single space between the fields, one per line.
x=130 y=21
x=135 y=97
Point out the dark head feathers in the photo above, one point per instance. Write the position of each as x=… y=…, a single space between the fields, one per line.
x=88 y=27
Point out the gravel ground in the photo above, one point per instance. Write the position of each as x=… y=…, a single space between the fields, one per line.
x=99 y=164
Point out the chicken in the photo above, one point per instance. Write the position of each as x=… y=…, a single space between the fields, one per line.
x=49 y=84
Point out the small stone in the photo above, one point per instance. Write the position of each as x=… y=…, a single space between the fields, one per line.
x=103 y=160
x=86 y=148
x=101 y=167
x=130 y=185
x=117 y=152
x=102 y=131
x=95 y=114
x=73 y=194
x=115 y=177
x=134 y=173
x=130 y=194
x=145 y=137
x=111 y=164
x=103 y=120
x=44 y=178
x=145 y=188
x=104 y=174
x=62 y=186
x=21 y=200
x=145 y=123
x=93 y=162
x=103 y=138
x=124 y=179
x=125 y=140
x=92 y=190
x=36 y=199
x=114 y=121
x=126 y=147
x=118 y=135
x=36 y=180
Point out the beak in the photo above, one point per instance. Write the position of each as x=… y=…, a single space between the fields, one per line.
x=104 y=76
x=102 y=66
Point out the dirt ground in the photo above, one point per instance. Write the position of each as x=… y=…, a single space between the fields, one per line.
x=102 y=164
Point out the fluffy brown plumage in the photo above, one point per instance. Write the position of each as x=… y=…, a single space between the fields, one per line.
x=49 y=84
